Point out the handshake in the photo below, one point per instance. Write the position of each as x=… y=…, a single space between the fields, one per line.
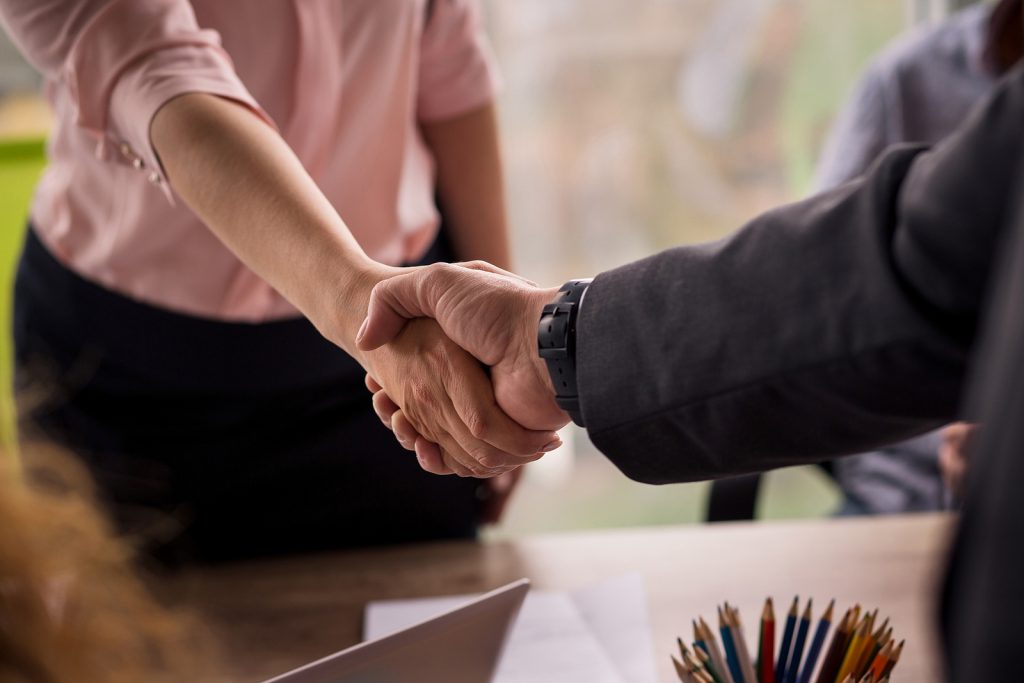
x=467 y=390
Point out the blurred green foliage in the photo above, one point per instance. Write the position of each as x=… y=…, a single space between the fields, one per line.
x=21 y=162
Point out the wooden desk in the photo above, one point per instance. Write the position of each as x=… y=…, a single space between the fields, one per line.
x=275 y=615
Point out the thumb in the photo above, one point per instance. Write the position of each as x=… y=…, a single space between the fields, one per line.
x=392 y=303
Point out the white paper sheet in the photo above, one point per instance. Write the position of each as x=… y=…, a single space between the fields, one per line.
x=599 y=634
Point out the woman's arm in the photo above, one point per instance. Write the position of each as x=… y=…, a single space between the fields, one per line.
x=470 y=184
x=144 y=76
x=246 y=184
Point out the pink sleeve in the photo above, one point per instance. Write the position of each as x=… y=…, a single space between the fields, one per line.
x=457 y=67
x=121 y=60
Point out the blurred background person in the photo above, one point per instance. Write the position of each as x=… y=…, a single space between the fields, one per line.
x=918 y=90
x=72 y=607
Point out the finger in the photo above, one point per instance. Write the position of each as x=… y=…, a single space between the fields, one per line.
x=952 y=466
x=384 y=407
x=452 y=463
x=437 y=460
x=480 y=458
x=470 y=458
x=404 y=431
x=472 y=395
x=465 y=455
x=430 y=413
x=398 y=299
x=430 y=458
x=441 y=451
x=372 y=384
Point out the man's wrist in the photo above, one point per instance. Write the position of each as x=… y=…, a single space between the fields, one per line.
x=556 y=344
x=539 y=298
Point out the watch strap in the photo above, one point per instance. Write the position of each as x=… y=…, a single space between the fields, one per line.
x=556 y=344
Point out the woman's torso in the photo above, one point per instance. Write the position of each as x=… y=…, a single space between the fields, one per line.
x=339 y=79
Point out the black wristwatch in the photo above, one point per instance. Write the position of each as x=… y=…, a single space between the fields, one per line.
x=556 y=343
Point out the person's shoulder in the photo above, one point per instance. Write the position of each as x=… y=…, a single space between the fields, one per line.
x=950 y=45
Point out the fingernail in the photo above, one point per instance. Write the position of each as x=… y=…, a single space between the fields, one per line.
x=362 y=330
x=551 y=446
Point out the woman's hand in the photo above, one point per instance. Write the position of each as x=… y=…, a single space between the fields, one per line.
x=446 y=396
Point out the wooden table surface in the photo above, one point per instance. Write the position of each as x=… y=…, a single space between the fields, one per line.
x=277 y=614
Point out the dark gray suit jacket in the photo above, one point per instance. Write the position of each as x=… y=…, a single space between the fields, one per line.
x=823 y=328
x=837 y=324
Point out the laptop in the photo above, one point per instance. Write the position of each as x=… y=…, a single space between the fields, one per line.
x=460 y=646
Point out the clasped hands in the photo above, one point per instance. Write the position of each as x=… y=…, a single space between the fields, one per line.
x=478 y=400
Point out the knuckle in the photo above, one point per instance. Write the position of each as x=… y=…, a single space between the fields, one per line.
x=478 y=423
x=421 y=395
x=491 y=461
x=437 y=272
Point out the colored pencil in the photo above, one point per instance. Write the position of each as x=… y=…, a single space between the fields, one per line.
x=798 y=646
x=860 y=650
x=730 y=648
x=697 y=668
x=681 y=671
x=760 y=646
x=893 y=660
x=705 y=659
x=867 y=649
x=853 y=650
x=698 y=637
x=766 y=644
x=708 y=636
x=881 y=659
x=836 y=650
x=787 y=640
x=817 y=644
x=740 y=639
x=878 y=642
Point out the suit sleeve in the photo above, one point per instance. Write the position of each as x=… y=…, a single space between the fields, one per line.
x=823 y=328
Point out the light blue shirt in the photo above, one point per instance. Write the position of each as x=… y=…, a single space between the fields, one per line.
x=919 y=89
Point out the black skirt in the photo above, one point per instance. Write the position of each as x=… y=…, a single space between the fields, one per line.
x=214 y=440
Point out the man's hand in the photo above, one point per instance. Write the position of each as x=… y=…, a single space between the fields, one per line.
x=958 y=441
x=446 y=396
x=487 y=311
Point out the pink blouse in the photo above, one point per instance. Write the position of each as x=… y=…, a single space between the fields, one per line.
x=344 y=81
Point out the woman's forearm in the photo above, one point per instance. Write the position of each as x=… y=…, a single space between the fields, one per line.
x=246 y=184
x=471 y=185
